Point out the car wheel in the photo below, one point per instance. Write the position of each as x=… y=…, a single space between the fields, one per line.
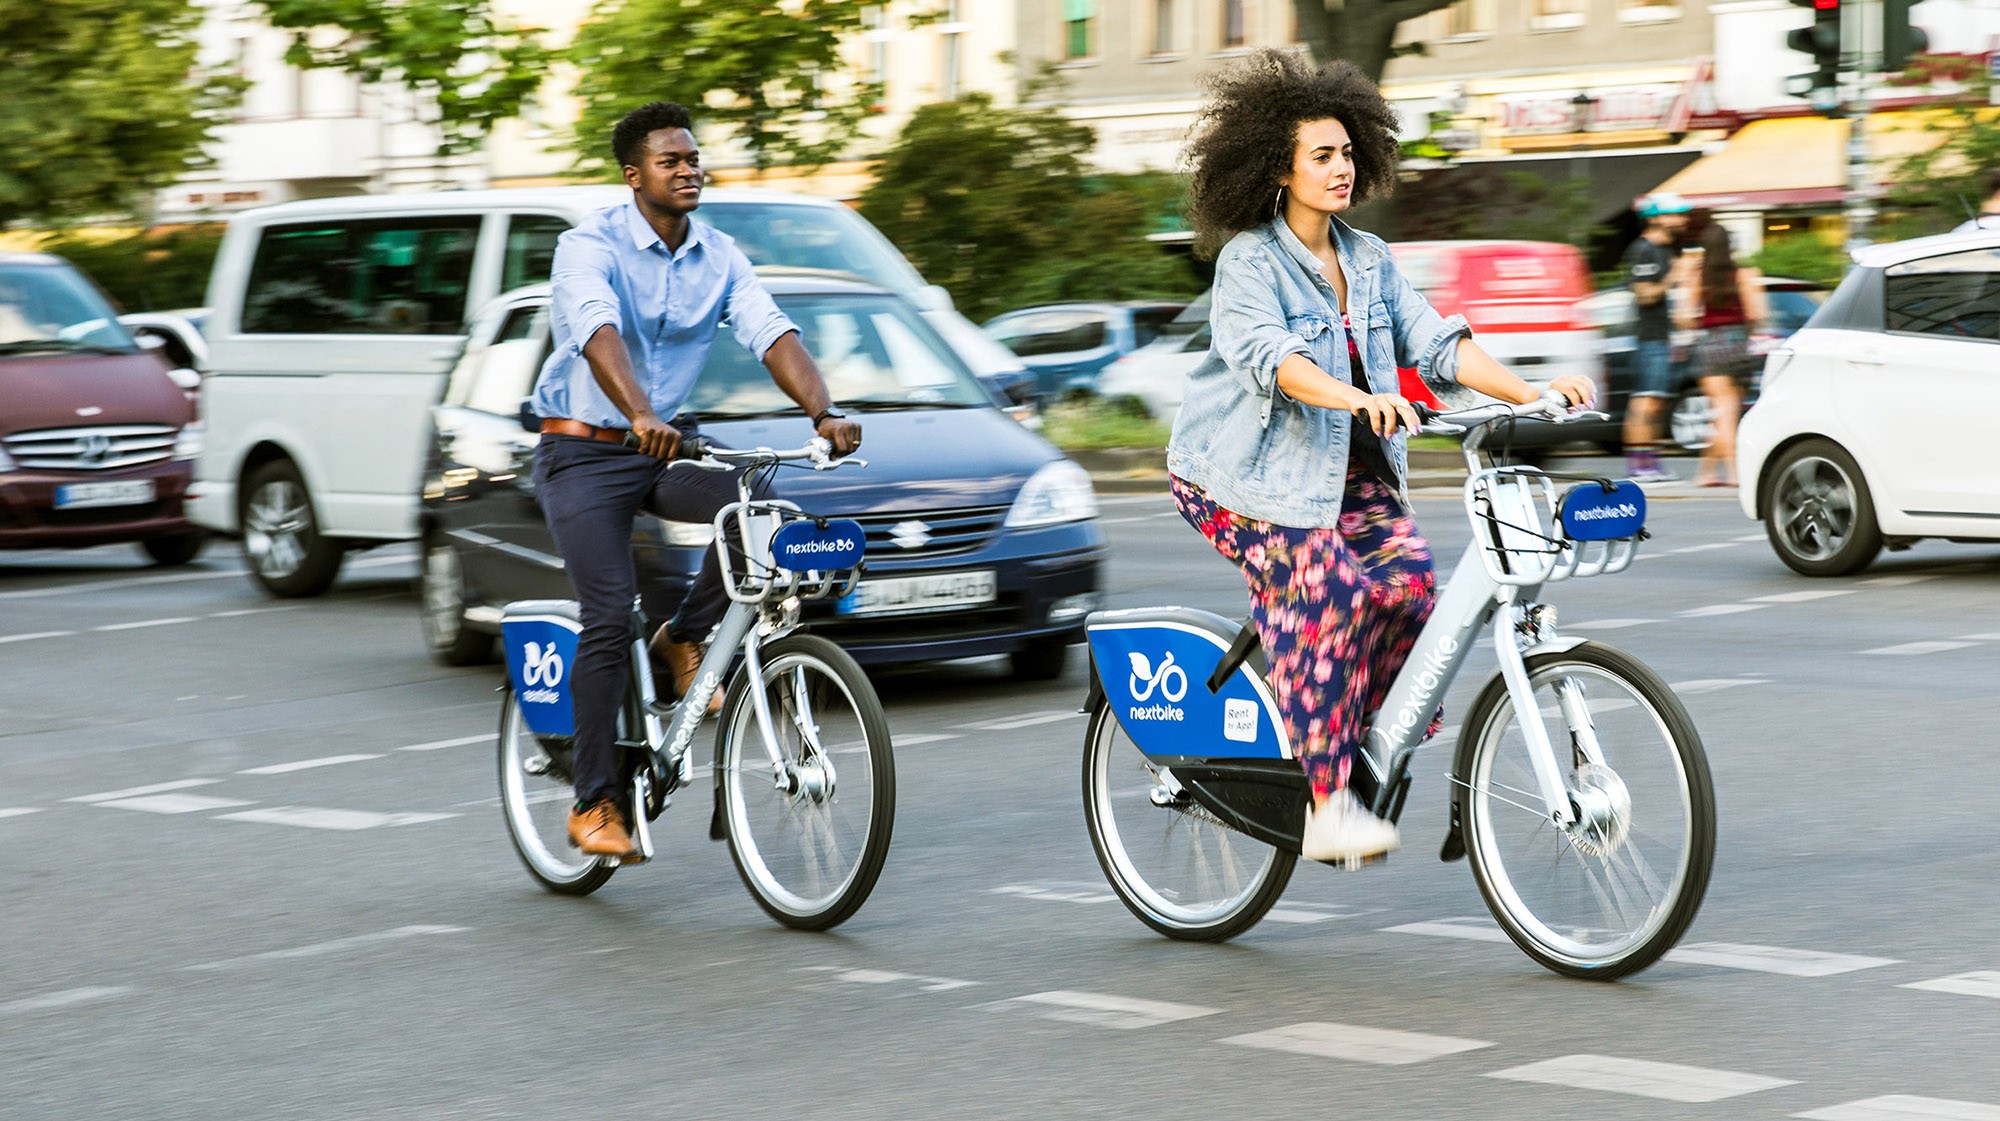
x=281 y=538
x=174 y=550
x=1691 y=424
x=442 y=601
x=1818 y=513
x=1041 y=659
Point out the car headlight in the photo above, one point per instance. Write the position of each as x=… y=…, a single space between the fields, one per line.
x=187 y=445
x=692 y=534
x=1059 y=492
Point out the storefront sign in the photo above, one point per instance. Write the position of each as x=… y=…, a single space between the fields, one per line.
x=1612 y=109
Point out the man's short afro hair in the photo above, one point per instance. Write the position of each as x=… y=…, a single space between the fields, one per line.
x=628 y=139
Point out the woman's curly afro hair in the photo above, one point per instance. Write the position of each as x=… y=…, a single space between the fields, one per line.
x=1244 y=140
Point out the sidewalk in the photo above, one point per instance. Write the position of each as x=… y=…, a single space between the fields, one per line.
x=1143 y=471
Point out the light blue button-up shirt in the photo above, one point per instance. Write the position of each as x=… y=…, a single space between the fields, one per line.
x=665 y=304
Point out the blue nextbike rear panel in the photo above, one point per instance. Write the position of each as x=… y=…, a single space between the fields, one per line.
x=1590 y=512
x=1154 y=666
x=802 y=546
x=541 y=649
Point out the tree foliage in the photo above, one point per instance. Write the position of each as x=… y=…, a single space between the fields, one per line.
x=104 y=104
x=771 y=71
x=471 y=71
x=998 y=206
x=1361 y=31
x=1932 y=191
x=160 y=270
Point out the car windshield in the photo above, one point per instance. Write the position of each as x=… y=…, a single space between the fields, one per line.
x=830 y=238
x=875 y=351
x=52 y=307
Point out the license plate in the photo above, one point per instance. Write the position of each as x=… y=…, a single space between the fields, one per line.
x=901 y=595
x=134 y=492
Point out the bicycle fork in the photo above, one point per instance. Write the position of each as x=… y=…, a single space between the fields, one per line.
x=1511 y=624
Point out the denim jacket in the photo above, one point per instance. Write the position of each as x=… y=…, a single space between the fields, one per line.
x=1241 y=438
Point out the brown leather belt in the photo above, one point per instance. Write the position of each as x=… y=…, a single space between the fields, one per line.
x=563 y=426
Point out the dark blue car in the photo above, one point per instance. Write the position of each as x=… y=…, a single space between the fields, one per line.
x=982 y=537
x=1067 y=346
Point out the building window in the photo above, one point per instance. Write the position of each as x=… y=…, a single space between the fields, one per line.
x=1648 y=11
x=875 y=30
x=948 y=65
x=1467 y=19
x=1079 y=28
x=1166 y=27
x=1232 y=23
x=1555 y=15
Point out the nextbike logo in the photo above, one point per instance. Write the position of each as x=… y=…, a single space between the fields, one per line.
x=1169 y=679
x=1599 y=513
x=1430 y=675
x=541 y=666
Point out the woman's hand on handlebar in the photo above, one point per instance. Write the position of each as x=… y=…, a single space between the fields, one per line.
x=1384 y=412
x=1576 y=389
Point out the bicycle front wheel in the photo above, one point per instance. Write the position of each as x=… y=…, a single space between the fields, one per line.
x=809 y=832
x=1609 y=893
x=1176 y=867
x=535 y=797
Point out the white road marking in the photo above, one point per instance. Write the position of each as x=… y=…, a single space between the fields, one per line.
x=135 y=791
x=105 y=585
x=461 y=741
x=19 y=811
x=1980 y=982
x=1774 y=959
x=67 y=998
x=1715 y=684
x=1934 y=647
x=1722 y=609
x=1803 y=597
x=1053 y=894
x=1751 y=537
x=889 y=977
x=1980 y=637
x=928 y=737
x=1105 y=1010
x=1473 y=929
x=238 y=613
x=1894 y=581
x=306 y=764
x=1704 y=548
x=173 y=803
x=1606 y=624
x=1297 y=915
x=314 y=817
x=142 y=623
x=1028 y=720
x=1357 y=1044
x=1904 y=1107
x=5 y=638
x=320 y=949
x=1641 y=1078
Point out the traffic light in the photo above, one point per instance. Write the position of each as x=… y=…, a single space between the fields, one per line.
x=1820 y=41
x=1899 y=39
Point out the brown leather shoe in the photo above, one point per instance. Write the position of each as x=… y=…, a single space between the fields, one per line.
x=680 y=660
x=599 y=830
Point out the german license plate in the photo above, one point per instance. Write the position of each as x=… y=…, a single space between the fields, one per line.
x=131 y=492
x=902 y=595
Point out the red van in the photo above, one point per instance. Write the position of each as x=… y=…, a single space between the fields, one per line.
x=97 y=441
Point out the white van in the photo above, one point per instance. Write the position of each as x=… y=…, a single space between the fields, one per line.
x=333 y=323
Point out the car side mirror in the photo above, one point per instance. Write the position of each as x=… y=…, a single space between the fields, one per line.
x=151 y=342
x=530 y=421
x=933 y=297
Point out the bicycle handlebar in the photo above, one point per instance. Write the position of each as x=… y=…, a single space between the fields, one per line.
x=1550 y=406
x=818 y=450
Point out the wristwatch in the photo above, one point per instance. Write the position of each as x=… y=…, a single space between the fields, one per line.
x=831 y=412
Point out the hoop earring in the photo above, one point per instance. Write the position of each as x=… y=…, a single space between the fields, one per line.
x=1278 y=206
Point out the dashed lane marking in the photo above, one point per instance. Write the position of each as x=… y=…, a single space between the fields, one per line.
x=4 y=638
x=19 y=811
x=888 y=977
x=1055 y=893
x=307 y=764
x=143 y=623
x=1980 y=982
x=1027 y=720
x=1103 y=1010
x=313 y=817
x=1907 y=648
x=1715 y=684
x=67 y=998
x=338 y=945
x=461 y=741
x=156 y=788
x=1751 y=537
x=1607 y=624
x=1980 y=637
x=1904 y=1107
x=1722 y=609
x=1472 y=929
x=1803 y=597
x=1894 y=581
x=1702 y=548
x=1641 y=1078
x=1774 y=959
x=172 y=803
x=927 y=737
x=1357 y=1044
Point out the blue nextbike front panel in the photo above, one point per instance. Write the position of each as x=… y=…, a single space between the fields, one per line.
x=1591 y=512
x=541 y=650
x=802 y=546
x=1154 y=671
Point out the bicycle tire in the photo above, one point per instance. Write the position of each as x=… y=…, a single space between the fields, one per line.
x=1228 y=911
x=1615 y=827
x=539 y=835
x=789 y=881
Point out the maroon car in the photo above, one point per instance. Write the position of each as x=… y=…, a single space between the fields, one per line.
x=97 y=441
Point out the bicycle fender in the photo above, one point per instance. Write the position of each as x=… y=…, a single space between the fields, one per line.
x=1559 y=646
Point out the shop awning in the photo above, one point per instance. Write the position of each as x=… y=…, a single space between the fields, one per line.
x=1795 y=161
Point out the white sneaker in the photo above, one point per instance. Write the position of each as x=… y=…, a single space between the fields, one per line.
x=1345 y=830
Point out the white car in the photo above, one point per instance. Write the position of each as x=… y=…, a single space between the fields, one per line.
x=1872 y=425
x=1156 y=374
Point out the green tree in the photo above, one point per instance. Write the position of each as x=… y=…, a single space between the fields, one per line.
x=104 y=104
x=1361 y=31
x=473 y=71
x=998 y=206
x=1930 y=192
x=771 y=71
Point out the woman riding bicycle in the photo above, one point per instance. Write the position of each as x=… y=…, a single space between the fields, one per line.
x=1310 y=320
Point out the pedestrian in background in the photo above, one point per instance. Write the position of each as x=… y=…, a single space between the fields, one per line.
x=1650 y=272
x=1288 y=452
x=1723 y=300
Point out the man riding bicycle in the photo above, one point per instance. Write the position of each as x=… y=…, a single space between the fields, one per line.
x=640 y=291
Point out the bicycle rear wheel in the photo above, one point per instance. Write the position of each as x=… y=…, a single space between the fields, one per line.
x=1175 y=866
x=535 y=797
x=1608 y=894
x=810 y=836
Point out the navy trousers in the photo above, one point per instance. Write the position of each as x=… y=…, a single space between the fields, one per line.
x=589 y=491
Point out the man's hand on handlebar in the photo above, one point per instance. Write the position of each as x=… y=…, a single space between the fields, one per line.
x=843 y=434
x=655 y=437
x=1385 y=411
